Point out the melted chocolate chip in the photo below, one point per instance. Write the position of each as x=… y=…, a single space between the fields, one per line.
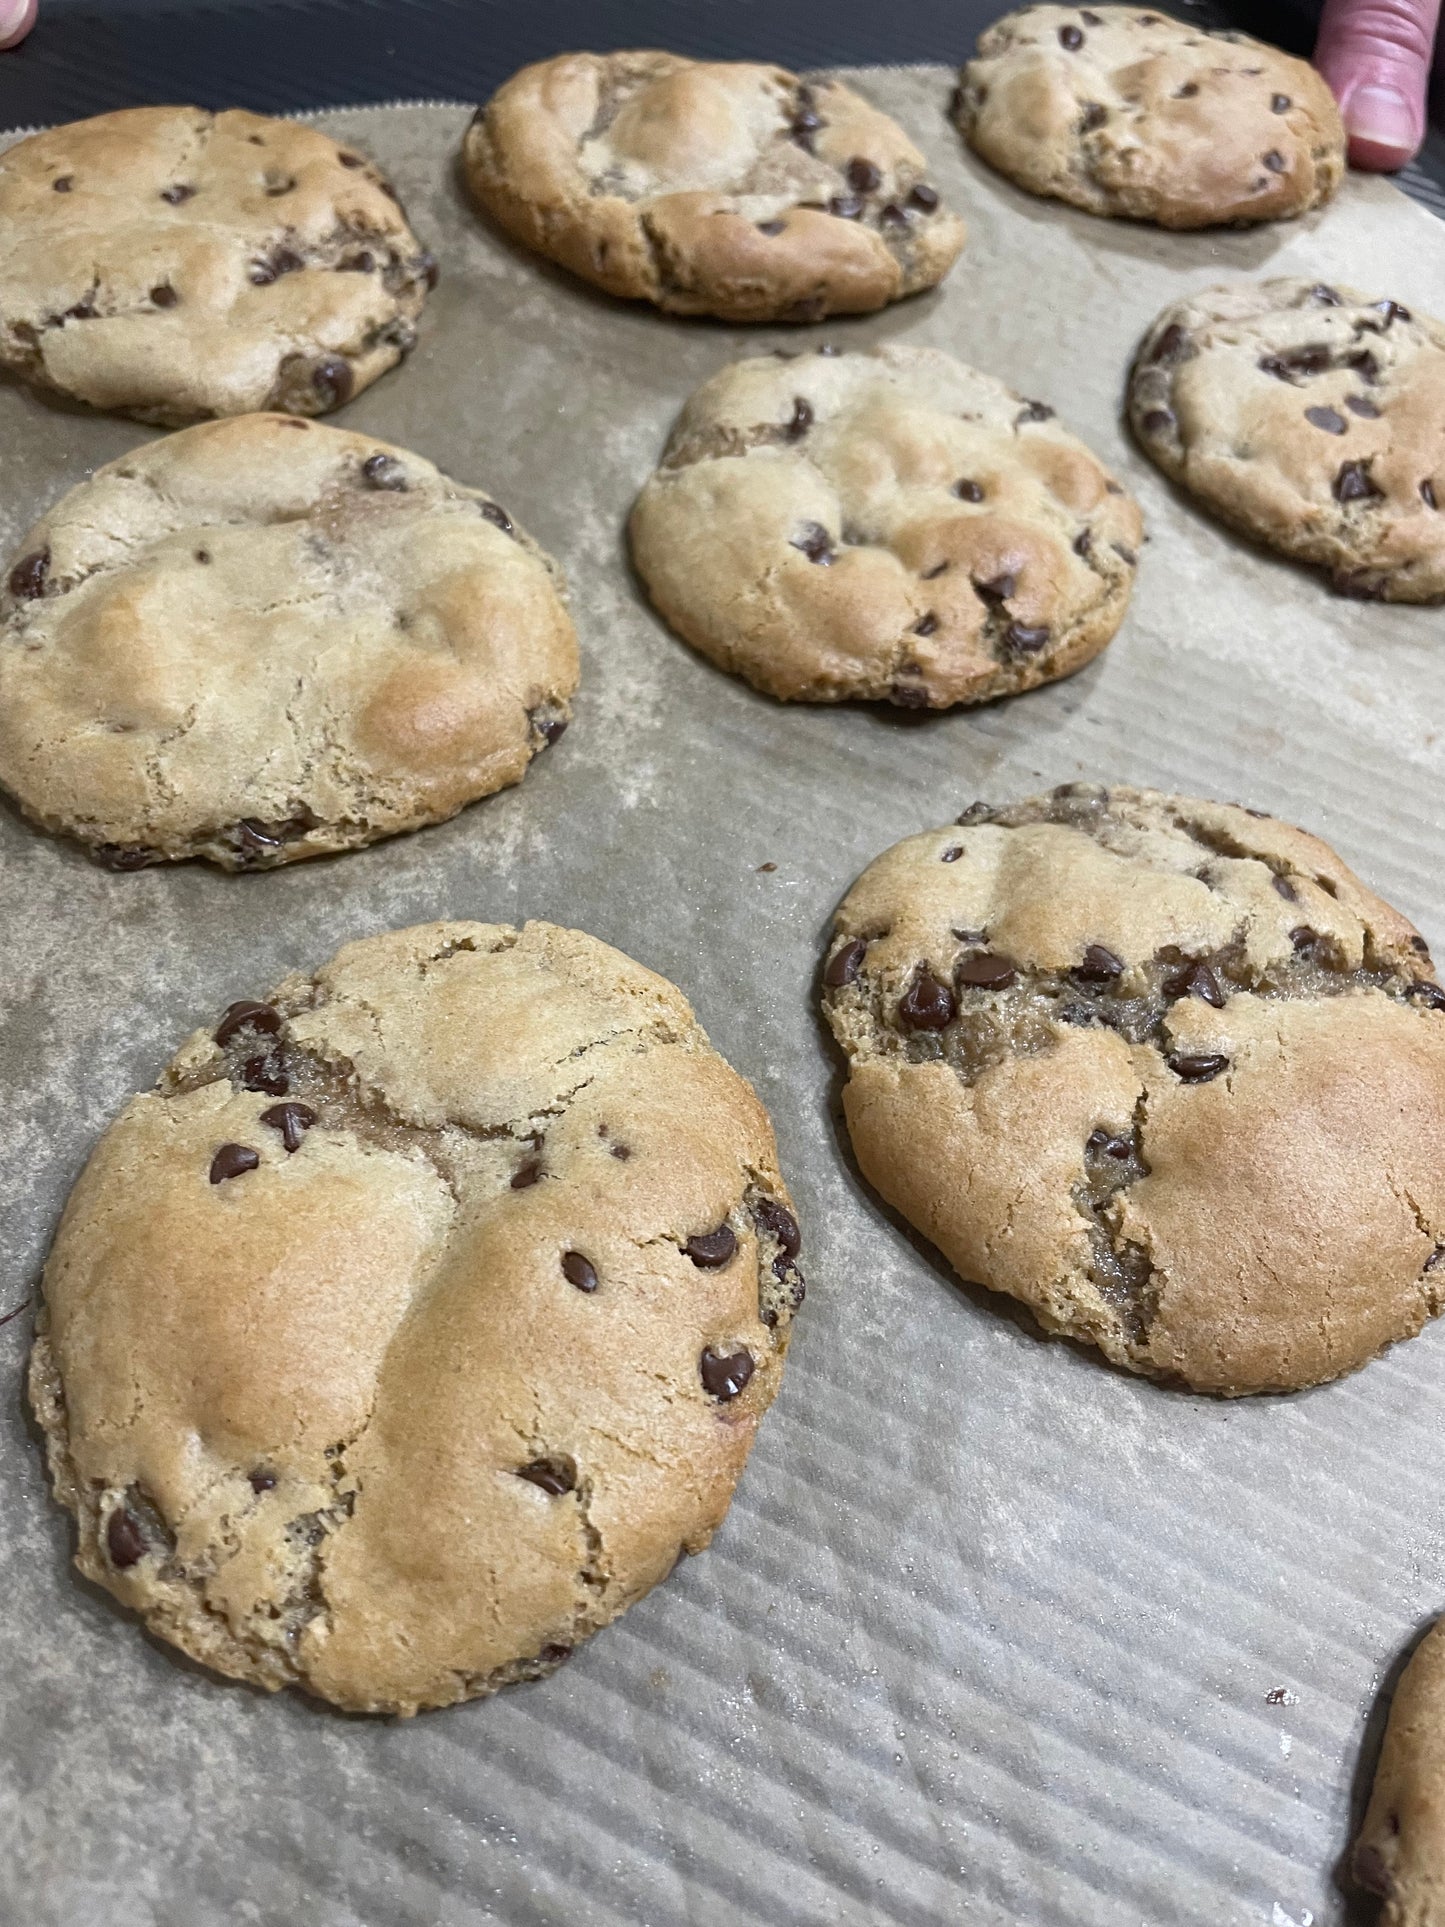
x=177 y=192
x=815 y=542
x=351 y=160
x=361 y=263
x=526 y=1174
x=1279 y=103
x=777 y=1219
x=1391 y=311
x=847 y=207
x=384 y=472
x=293 y=1121
x=1199 y=1069
x=125 y=856
x=863 y=177
x=1099 y=965
x=1370 y=1872
x=1427 y=494
x=1158 y=421
x=63 y=183
x=622 y=1151
x=552 y=1476
x=1103 y=1144
x=1323 y=293
x=1362 y=405
x=711 y=1249
x=1170 y=344
x=1125 y=554
x=1020 y=639
x=1034 y=411
x=1083 y=541
x=1354 y=483
x=892 y=215
x=968 y=491
x=264 y=1074
x=1187 y=91
x=28 y=577
x=1195 y=980
x=550 y=728
x=246 y=1015
x=806 y=120
x=579 y=1271
x=124 y=1540
x=262 y=1480
x=999 y=590
x=909 y=695
x=1276 y=162
x=1327 y=419
x=333 y=380
x=771 y=227
x=1090 y=19
x=1095 y=114
x=1311 y=360
x=986 y=970
x=164 y=295
x=845 y=963
x=926 y=1004
x=499 y=516
x=725 y=1374
x=1070 y=38
x=283 y=261
x=800 y=421
x=925 y=624
x=427 y=267
x=233 y=1161
x=923 y=197
x=1428 y=994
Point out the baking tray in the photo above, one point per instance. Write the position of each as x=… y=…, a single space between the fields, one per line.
x=993 y=1633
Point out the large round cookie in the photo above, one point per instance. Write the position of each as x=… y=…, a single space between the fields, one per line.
x=1125 y=112
x=711 y=187
x=1162 y=1069
x=1312 y=418
x=171 y=263
x=1400 y=1852
x=262 y=639
x=890 y=524
x=420 y=1319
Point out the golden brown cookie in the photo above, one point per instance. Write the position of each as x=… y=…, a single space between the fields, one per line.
x=1125 y=112
x=262 y=639
x=1400 y=1853
x=1162 y=1069
x=711 y=187
x=891 y=525
x=1312 y=418
x=169 y=263
x=420 y=1319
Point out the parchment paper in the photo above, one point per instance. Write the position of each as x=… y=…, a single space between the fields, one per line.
x=989 y=1633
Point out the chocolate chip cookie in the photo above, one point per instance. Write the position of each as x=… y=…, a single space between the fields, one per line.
x=262 y=639
x=168 y=263
x=1164 y=1070
x=1310 y=417
x=1129 y=113
x=711 y=187
x=891 y=525
x=1400 y=1853
x=419 y=1319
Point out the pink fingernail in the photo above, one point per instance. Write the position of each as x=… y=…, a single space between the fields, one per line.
x=1381 y=115
x=12 y=13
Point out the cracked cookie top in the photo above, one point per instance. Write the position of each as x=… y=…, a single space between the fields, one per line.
x=890 y=524
x=1311 y=417
x=169 y=263
x=1125 y=112
x=1162 y=1069
x=263 y=639
x=420 y=1319
x=711 y=187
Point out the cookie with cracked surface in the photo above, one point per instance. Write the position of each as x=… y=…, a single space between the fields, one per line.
x=1130 y=113
x=169 y=263
x=1162 y=1069
x=1310 y=417
x=1400 y=1852
x=420 y=1318
x=263 y=639
x=711 y=187
x=890 y=524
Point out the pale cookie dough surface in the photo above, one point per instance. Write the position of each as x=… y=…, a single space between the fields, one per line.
x=263 y=639
x=1124 y=112
x=891 y=525
x=1162 y=1069
x=711 y=187
x=170 y=263
x=1400 y=1853
x=1311 y=417
x=408 y=1333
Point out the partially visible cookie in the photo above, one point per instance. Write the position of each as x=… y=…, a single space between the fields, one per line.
x=261 y=639
x=1400 y=1853
x=891 y=525
x=711 y=187
x=1312 y=418
x=1162 y=1069
x=420 y=1319
x=170 y=263
x=1126 y=112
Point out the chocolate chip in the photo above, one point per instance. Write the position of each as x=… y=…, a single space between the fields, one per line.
x=999 y=590
x=262 y=1481
x=1200 y=1069
x=909 y=695
x=124 y=1540
x=1083 y=541
x=1283 y=887
x=526 y=1174
x=333 y=380
x=553 y=1476
x=1427 y=494
x=923 y=197
x=427 y=267
x=986 y=970
x=777 y=1219
x=1195 y=980
x=1362 y=405
x=815 y=542
x=892 y=215
x=1364 y=364
x=1323 y=293
x=931 y=575
x=28 y=577
x=293 y=1121
x=353 y=160
x=847 y=207
x=1158 y=421
x=977 y=812
x=550 y=728
x=246 y=1015
x=968 y=491
x=1103 y=1144
x=233 y=1161
x=85 y=310
x=255 y=836
x=1019 y=639
x=63 y=183
x=1170 y=344
x=176 y=193
x=579 y=1271
x=1392 y=311
x=1436 y=1259
x=771 y=227
x=281 y=184
x=1370 y=1872
x=164 y=295
x=1090 y=19
x=1094 y=117
x=1187 y=91
x=711 y=1249
x=926 y=624
x=1099 y=965
x=264 y=1074
x=1311 y=360
x=725 y=1374
x=1428 y=994
x=624 y=1151
x=1354 y=484
x=926 y=1004
x=806 y=120
x=1276 y=162
x=125 y=856
x=1327 y=419
x=800 y=421
x=863 y=176
x=845 y=963
x=1125 y=554
x=361 y=263
x=499 y=516
x=553 y=1654
x=1070 y=38
x=1280 y=103
x=283 y=261
x=1034 y=411
x=384 y=472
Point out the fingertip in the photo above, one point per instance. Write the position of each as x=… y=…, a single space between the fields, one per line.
x=1378 y=157
x=17 y=17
